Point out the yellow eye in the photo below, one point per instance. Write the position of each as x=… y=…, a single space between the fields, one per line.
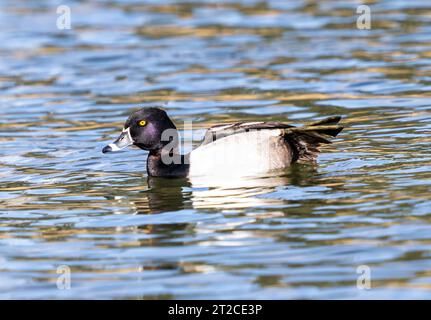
x=142 y=123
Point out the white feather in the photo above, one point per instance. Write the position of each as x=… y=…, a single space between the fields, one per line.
x=242 y=154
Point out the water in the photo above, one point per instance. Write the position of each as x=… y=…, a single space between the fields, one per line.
x=304 y=233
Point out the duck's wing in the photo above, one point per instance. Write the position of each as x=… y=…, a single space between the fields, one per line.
x=304 y=141
x=326 y=127
x=220 y=131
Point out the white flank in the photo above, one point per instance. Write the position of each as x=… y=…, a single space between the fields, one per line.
x=242 y=154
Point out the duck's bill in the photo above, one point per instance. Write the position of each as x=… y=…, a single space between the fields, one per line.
x=123 y=141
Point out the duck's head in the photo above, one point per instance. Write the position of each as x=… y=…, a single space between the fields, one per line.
x=148 y=128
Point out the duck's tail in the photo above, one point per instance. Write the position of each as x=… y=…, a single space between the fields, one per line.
x=305 y=141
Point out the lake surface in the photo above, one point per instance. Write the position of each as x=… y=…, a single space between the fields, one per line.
x=305 y=233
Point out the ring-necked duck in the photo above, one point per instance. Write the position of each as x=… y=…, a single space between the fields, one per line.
x=242 y=148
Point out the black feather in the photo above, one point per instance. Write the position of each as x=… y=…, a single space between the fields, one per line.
x=305 y=141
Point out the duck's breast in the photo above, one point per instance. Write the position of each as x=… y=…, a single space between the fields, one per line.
x=243 y=154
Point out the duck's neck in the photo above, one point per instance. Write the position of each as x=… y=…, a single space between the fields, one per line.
x=162 y=163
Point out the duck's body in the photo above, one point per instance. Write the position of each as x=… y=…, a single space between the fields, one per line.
x=244 y=148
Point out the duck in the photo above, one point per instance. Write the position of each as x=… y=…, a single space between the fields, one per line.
x=234 y=149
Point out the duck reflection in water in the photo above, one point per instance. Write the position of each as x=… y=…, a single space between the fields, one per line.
x=237 y=193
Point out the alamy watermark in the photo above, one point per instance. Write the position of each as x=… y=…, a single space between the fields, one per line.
x=64 y=278
x=363 y=282
x=64 y=17
x=363 y=22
